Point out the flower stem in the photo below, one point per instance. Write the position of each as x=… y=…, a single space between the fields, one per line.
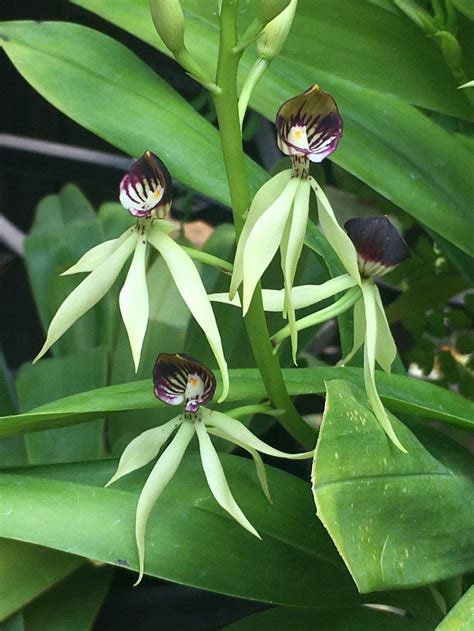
x=209 y=259
x=226 y=103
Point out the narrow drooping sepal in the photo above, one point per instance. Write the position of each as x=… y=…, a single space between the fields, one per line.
x=309 y=125
x=158 y=479
x=146 y=189
x=379 y=245
x=190 y=286
x=180 y=378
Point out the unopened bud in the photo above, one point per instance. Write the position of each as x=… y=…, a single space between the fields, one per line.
x=274 y=35
x=168 y=19
x=451 y=50
x=269 y=9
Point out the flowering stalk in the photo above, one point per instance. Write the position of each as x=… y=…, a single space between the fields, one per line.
x=231 y=139
x=181 y=380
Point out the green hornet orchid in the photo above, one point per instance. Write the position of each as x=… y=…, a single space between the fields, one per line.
x=146 y=192
x=308 y=130
x=379 y=249
x=182 y=380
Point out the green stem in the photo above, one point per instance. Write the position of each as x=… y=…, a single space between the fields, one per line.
x=250 y=410
x=332 y=311
x=209 y=259
x=228 y=118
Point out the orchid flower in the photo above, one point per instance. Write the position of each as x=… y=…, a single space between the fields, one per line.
x=182 y=380
x=379 y=249
x=146 y=192
x=308 y=130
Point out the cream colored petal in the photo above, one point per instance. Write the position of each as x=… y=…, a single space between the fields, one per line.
x=98 y=254
x=259 y=464
x=264 y=240
x=369 y=364
x=88 y=293
x=237 y=431
x=189 y=285
x=215 y=477
x=359 y=331
x=142 y=449
x=263 y=199
x=291 y=252
x=133 y=301
x=302 y=296
x=385 y=347
x=158 y=479
x=336 y=236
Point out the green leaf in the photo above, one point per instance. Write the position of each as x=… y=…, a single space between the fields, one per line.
x=31 y=570
x=378 y=41
x=71 y=604
x=12 y=449
x=58 y=378
x=398 y=393
x=373 y=498
x=90 y=77
x=466 y=7
x=461 y=616
x=353 y=618
x=295 y=563
x=388 y=143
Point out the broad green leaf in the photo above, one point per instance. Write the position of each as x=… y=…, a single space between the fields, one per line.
x=461 y=616
x=27 y=571
x=60 y=377
x=388 y=143
x=372 y=499
x=71 y=604
x=295 y=563
x=353 y=618
x=107 y=89
x=65 y=227
x=398 y=393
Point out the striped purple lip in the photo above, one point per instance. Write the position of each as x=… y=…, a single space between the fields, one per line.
x=380 y=247
x=146 y=189
x=309 y=125
x=180 y=378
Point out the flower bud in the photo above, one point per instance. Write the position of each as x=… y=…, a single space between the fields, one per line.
x=168 y=19
x=146 y=188
x=379 y=245
x=269 y=9
x=451 y=50
x=181 y=378
x=273 y=36
x=418 y=15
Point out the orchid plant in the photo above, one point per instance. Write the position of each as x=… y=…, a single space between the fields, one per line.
x=182 y=380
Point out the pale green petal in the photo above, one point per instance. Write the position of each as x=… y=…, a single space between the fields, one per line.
x=359 y=331
x=369 y=364
x=215 y=477
x=189 y=285
x=133 y=301
x=336 y=236
x=97 y=255
x=291 y=248
x=156 y=482
x=88 y=293
x=264 y=240
x=385 y=348
x=302 y=296
x=263 y=199
x=237 y=431
x=259 y=464
x=142 y=449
